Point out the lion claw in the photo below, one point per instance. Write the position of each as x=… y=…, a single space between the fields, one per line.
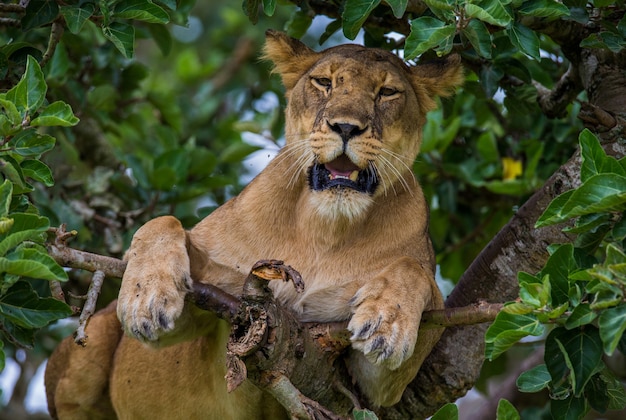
x=385 y=336
x=147 y=314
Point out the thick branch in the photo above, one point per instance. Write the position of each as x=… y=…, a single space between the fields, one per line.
x=554 y=102
x=283 y=366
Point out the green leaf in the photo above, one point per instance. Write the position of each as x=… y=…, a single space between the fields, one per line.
x=39 y=13
x=30 y=262
x=30 y=92
x=506 y=411
x=600 y=193
x=298 y=24
x=161 y=35
x=398 y=7
x=518 y=308
x=558 y=267
x=236 y=152
x=122 y=35
x=29 y=143
x=170 y=168
x=22 y=306
x=443 y=9
x=580 y=350
x=251 y=9
x=11 y=112
x=56 y=114
x=76 y=16
x=427 y=33
x=364 y=414
x=26 y=227
x=490 y=77
x=6 y=192
x=570 y=408
x=596 y=393
x=534 y=380
x=612 y=323
x=525 y=39
x=594 y=160
x=581 y=315
x=143 y=10
x=354 y=15
x=269 y=7
x=38 y=171
x=23 y=337
x=508 y=329
x=489 y=11
x=548 y=9
x=614 y=390
x=479 y=36
x=331 y=28
x=450 y=411
x=13 y=172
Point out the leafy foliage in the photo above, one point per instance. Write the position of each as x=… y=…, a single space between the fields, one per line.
x=163 y=119
x=22 y=230
x=579 y=294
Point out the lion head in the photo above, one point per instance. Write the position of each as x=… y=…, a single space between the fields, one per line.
x=354 y=120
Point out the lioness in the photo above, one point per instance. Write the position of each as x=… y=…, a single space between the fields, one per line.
x=339 y=203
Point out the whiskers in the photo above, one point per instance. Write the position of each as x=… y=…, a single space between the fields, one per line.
x=391 y=166
x=299 y=153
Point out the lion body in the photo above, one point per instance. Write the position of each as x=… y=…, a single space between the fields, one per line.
x=339 y=203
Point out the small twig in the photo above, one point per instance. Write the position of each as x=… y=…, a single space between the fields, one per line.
x=9 y=22
x=243 y=49
x=12 y=8
x=56 y=290
x=345 y=391
x=298 y=405
x=554 y=102
x=89 y=308
x=466 y=315
x=73 y=258
x=77 y=297
x=56 y=31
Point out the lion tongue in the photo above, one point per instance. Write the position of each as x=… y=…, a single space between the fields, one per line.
x=342 y=167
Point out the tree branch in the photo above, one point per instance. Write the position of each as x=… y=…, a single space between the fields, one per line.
x=56 y=32
x=554 y=102
x=280 y=365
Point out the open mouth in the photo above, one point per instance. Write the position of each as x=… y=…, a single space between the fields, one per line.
x=342 y=173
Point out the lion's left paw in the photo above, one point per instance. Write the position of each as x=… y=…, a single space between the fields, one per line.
x=382 y=330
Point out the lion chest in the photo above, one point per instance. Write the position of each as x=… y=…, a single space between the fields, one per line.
x=331 y=277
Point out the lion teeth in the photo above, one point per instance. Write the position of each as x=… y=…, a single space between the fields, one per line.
x=354 y=175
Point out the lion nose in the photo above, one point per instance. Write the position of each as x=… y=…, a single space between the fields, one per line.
x=346 y=131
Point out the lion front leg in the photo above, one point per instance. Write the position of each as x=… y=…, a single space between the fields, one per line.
x=386 y=313
x=151 y=301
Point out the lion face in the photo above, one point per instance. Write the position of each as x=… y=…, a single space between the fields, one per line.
x=353 y=121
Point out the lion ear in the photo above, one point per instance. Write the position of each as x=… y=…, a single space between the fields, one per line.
x=439 y=77
x=291 y=57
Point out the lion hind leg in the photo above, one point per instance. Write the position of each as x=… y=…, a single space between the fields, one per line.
x=77 y=378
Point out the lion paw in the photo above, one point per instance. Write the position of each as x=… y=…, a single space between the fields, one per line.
x=147 y=313
x=384 y=333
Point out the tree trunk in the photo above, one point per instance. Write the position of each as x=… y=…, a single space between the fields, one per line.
x=454 y=365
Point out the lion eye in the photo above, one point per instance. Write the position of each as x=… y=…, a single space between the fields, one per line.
x=322 y=82
x=387 y=91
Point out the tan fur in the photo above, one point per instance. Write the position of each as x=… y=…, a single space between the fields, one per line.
x=364 y=257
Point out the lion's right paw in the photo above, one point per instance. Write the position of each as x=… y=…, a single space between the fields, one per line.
x=149 y=311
